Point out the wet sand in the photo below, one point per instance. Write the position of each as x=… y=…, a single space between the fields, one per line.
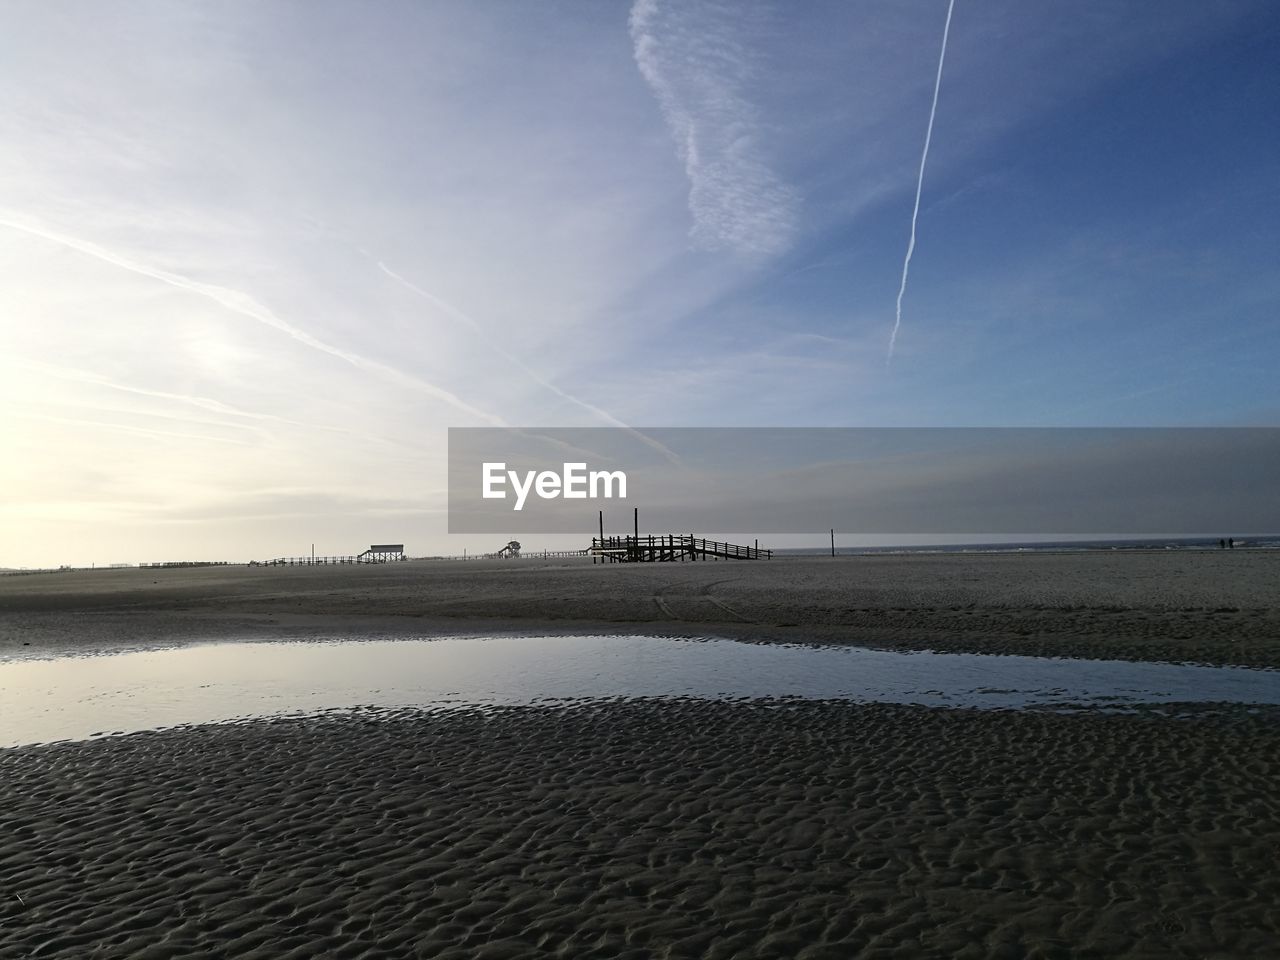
x=1219 y=607
x=645 y=829
x=661 y=828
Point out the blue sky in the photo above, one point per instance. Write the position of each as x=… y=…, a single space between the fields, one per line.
x=259 y=256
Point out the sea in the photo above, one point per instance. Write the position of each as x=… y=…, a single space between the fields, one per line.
x=1252 y=542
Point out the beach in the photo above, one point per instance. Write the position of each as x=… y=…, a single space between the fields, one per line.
x=1220 y=607
x=856 y=420
x=662 y=827
x=648 y=829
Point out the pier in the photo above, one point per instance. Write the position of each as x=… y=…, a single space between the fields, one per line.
x=377 y=553
x=512 y=551
x=669 y=548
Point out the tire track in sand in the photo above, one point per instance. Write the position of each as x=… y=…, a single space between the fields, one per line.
x=704 y=593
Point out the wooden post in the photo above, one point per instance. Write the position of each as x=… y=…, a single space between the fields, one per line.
x=833 y=541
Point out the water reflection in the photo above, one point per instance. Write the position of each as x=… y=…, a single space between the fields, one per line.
x=77 y=697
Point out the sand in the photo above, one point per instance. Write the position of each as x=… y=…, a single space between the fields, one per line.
x=647 y=829
x=661 y=828
x=1220 y=607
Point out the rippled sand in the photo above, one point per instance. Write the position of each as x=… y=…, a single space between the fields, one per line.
x=661 y=829
x=650 y=829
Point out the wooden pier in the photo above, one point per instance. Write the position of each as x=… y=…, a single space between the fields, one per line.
x=378 y=553
x=507 y=553
x=311 y=561
x=669 y=548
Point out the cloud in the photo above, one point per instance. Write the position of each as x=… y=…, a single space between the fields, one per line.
x=241 y=303
x=208 y=176
x=453 y=312
x=127 y=428
x=457 y=314
x=90 y=378
x=695 y=62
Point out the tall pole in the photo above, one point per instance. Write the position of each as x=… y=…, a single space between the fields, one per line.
x=637 y=523
x=833 y=541
x=593 y=559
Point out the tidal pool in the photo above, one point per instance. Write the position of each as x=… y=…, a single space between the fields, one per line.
x=80 y=697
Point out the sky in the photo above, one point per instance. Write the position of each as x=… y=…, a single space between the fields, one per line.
x=258 y=257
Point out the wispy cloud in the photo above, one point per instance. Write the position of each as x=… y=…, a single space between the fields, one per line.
x=127 y=428
x=186 y=186
x=452 y=311
x=243 y=304
x=694 y=60
x=89 y=378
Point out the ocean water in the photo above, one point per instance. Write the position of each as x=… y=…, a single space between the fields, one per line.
x=1251 y=542
x=81 y=697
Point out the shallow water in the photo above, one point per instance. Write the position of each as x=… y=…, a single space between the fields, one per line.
x=80 y=697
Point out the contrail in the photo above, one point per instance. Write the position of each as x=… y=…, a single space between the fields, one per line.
x=126 y=428
x=528 y=371
x=524 y=368
x=244 y=305
x=911 y=244
x=204 y=403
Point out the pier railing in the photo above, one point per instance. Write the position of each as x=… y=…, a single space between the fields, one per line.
x=318 y=561
x=671 y=547
x=529 y=555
